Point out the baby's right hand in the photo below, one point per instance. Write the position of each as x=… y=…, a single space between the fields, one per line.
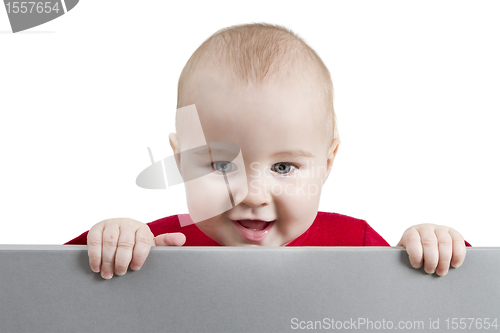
x=113 y=244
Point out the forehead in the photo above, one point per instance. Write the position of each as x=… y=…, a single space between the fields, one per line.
x=279 y=115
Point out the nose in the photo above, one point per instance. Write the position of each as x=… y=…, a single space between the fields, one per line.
x=258 y=193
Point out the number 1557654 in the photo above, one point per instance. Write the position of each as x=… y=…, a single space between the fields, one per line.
x=16 y=7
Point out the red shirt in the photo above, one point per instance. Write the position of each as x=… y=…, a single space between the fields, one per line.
x=328 y=229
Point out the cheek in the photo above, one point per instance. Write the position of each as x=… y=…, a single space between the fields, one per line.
x=207 y=197
x=299 y=202
x=301 y=190
x=209 y=193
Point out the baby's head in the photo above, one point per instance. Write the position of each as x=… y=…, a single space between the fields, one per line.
x=260 y=87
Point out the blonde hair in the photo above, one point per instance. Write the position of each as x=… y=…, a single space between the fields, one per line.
x=256 y=53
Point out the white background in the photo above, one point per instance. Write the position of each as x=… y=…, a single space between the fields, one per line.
x=416 y=95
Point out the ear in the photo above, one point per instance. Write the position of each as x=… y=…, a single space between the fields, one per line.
x=174 y=143
x=332 y=152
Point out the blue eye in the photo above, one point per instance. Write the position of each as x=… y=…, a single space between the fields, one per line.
x=223 y=166
x=283 y=168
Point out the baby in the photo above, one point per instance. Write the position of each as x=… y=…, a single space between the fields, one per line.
x=262 y=89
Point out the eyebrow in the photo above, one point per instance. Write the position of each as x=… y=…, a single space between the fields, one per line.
x=281 y=154
x=204 y=150
x=293 y=153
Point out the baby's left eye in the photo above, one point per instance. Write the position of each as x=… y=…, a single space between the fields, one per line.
x=283 y=168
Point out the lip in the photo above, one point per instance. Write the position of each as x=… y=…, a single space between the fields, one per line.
x=253 y=235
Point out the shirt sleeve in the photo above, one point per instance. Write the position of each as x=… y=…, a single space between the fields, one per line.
x=372 y=238
x=80 y=240
x=157 y=227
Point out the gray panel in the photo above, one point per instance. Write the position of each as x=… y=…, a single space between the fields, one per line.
x=240 y=289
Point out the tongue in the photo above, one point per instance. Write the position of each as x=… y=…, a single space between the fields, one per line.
x=253 y=224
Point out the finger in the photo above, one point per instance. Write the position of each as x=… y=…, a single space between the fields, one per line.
x=123 y=254
x=109 y=243
x=459 y=248
x=94 y=246
x=430 y=249
x=445 y=243
x=143 y=242
x=412 y=242
x=171 y=239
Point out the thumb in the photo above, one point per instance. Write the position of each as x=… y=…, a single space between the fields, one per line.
x=170 y=239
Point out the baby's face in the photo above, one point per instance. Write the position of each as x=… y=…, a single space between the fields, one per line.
x=281 y=130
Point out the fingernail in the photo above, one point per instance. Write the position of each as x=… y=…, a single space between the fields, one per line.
x=442 y=273
x=120 y=273
x=416 y=265
x=95 y=269
x=107 y=275
x=432 y=272
x=456 y=265
x=135 y=267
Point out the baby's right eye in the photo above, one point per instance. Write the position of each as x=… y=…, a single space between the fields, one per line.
x=284 y=168
x=223 y=166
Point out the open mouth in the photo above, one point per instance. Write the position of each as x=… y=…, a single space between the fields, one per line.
x=254 y=224
x=253 y=230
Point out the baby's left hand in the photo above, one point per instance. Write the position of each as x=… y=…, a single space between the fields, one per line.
x=435 y=245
